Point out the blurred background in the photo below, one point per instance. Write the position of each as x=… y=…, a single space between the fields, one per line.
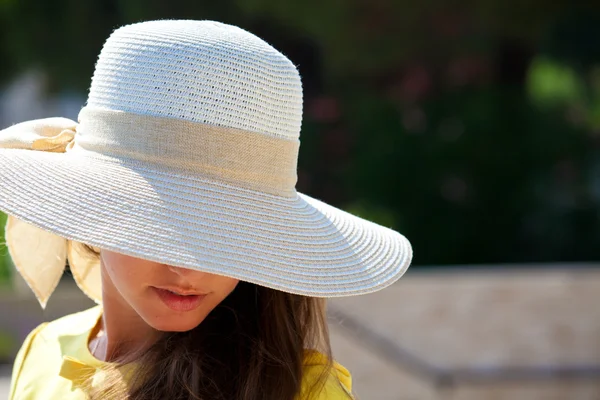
x=472 y=128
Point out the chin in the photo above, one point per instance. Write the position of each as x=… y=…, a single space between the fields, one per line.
x=174 y=323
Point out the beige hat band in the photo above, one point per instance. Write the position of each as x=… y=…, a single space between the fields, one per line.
x=252 y=160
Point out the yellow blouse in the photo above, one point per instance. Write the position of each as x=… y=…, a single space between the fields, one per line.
x=55 y=356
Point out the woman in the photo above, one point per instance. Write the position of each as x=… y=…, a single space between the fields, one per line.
x=173 y=201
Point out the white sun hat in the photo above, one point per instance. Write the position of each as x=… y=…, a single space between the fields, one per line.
x=185 y=154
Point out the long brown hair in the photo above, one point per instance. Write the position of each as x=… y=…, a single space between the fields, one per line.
x=250 y=347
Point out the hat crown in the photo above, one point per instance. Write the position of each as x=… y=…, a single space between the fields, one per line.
x=199 y=71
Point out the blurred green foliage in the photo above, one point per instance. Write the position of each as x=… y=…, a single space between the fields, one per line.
x=553 y=83
x=5 y=263
x=474 y=130
x=8 y=344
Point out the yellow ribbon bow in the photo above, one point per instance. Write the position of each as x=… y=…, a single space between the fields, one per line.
x=86 y=376
x=76 y=371
x=40 y=256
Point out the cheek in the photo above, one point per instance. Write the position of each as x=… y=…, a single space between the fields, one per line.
x=226 y=286
x=126 y=280
x=124 y=283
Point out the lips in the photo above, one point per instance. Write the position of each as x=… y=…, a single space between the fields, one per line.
x=179 y=300
x=181 y=292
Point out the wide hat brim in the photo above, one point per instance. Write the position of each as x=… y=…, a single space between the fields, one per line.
x=298 y=245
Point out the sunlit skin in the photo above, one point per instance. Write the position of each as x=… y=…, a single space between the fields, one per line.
x=134 y=313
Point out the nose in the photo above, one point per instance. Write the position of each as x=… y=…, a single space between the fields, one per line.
x=184 y=272
x=178 y=270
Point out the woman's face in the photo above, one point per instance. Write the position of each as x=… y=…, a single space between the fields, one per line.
x=167 y=298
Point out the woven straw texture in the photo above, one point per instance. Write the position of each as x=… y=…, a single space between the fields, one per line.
x=212 y=75
x=205 y=71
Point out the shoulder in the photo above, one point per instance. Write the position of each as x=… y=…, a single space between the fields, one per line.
x=20 y=359
x=72 y=324
x=40 y=357
x=57 y=332
x=324 y=379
